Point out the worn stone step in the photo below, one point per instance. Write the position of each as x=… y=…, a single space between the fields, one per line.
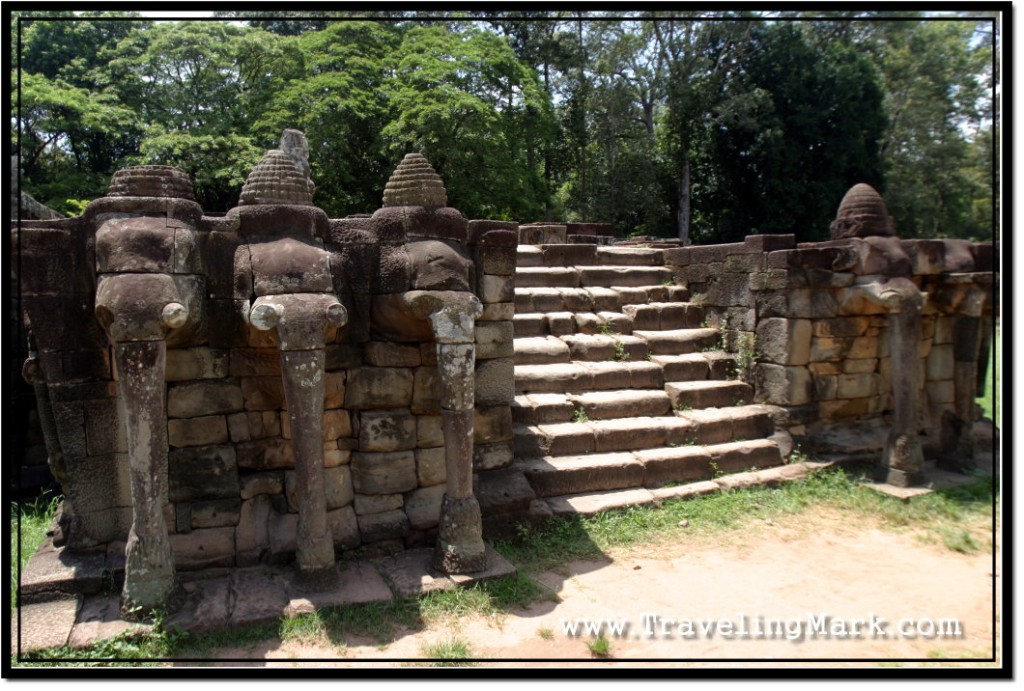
x=611 y=276
x=575 y=377
x=590 y=503
x=630 y=256
x=710 y=393
x=547 y=276
x=541 y=408
x=551 y=476
x=597 y=347
x=598 y=298
x=679 y=341
x=541 y=350
x=529 y=255
x=737 y=423
x=607 y=405
x=536 y=324
x=715 y=364
x=623 y=434
x=664 y=315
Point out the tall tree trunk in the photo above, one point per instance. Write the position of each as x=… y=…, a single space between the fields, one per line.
x=683 y=214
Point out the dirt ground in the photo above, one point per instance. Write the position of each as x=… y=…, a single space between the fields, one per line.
x=809 y=587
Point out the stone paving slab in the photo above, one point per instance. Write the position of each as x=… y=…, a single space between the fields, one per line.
x=99 y=617
x=44 y=624
x=410 y=573
x=54 y=572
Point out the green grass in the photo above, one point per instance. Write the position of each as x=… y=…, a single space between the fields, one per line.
x=450 y=653
x=600 y=647
x=955 y=517
x=29 y=522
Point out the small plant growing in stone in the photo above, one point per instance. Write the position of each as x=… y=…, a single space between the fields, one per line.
x=620 y=352
x=715 y=470
x=606 y=329
x=546 y=634
x=580 y=415
x=684 y=407
x=649 y=356
x=745 y=355
x=600 y=647
x=690 y=441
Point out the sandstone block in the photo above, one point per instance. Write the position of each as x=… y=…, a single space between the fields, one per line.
x=216 y=513
x=426 y=397
x=344 y=527
x=198 y=431
x=378 y=387
x=377 y=503
x=266 y=454
x=784 y=341
x=430 y=466
x=492 y=424
x=263 y=393
x=253 y=425
x=202 y=549
x=782 y=385
x=384 y=473
x=255 y=484
x=494 y=340
x=202 y=472
x=857 y=385
x=252 y=536
x=196 y=363
x=202 y=398
x=495 y=382
x=423 y=507
x=390 y=354
x=496 y=288
x=391 y=430
x=492 y=456
x=498 y=311
x=428 y=431
x=334 y=390
x=389 y=525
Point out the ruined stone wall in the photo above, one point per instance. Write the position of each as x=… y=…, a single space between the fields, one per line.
x=232 y=491
x=816 y=349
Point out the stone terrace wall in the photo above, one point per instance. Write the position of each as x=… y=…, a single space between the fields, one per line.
x=817 y=351
x=232 y=490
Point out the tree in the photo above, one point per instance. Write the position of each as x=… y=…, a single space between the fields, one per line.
x=468 y=104
x=796 y=129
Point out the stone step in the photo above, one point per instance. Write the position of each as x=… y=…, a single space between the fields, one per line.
x=536 y=324
x=590 y=503
x=579 y=377
x=665 y=316
x=679 y=341
x=710 y=393
x=587 y=255
x=575 y=276
x=598 y=347
x=710 y=426
x=715 y=364
x=597 y=298
x=552 y=476
x=535 y=409
x=541 y=350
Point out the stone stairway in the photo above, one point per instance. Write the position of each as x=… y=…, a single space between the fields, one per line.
x=620 y=389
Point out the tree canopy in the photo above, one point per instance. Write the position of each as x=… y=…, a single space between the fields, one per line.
x=706 y=127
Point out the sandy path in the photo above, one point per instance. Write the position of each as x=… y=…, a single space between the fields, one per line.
x=795 y=569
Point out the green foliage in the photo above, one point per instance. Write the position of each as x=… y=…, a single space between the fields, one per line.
x=700 y=128
x=452 y=652
x=600 y=647
x=580 y=415
x=29 y=522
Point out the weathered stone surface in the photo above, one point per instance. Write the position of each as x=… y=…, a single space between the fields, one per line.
x=438 y=266
x=388 y=354
x=337 y=488
x=784 y=341
x=498 y=311
x=203 y=472
x=215 y=513
x=782 y=385
x=492 y=424
x=378 y=387
x=494 y=340
x=202 y=549
x=204 y=398
x=254 y=484
x=199 y=431
x=253 y=425
x=252 y=535
x=384 y=473
x=104 y=428
x=344 y=528
x=428 y=431
x=430 y=466
x=377 y=503
x=265 y=454
x=423 y=506
x=857 y=385
x=494 y=382
x=940 y=362
x=426 y=398
x=393 y=430
x=388 y=525
x=496 y=288
x=492 y=456
x=46 y=624
x=197 y=363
